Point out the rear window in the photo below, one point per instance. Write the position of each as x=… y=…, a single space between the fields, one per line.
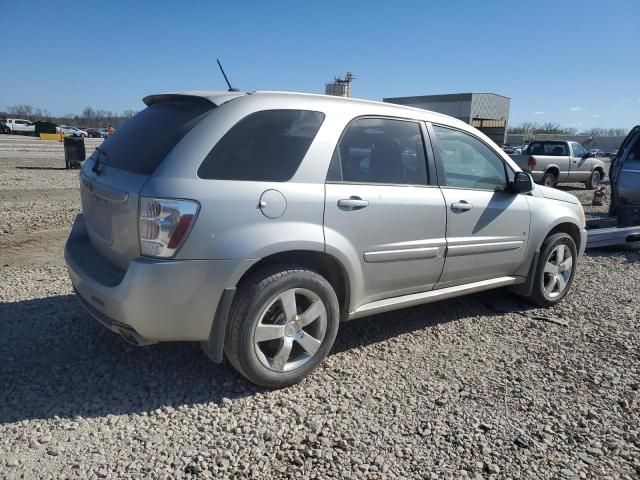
x=265 y=146
x=145 y=139
x=557 y=149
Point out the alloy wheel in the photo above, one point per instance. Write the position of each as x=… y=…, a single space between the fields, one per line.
x=290 y=330
x=557 y=271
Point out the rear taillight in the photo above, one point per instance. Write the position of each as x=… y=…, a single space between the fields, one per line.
x=163 y=225
x=532 y=163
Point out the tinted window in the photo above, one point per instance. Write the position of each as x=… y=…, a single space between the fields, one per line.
x=578 y=151
x=634 y=152
x=468 y=162
x=376 y=150
x=265 y=146
x=145 y=139
x=557 y=149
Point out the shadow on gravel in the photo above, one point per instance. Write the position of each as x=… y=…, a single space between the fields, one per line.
x=41 y=168
x=382 y=327
x=58 y=361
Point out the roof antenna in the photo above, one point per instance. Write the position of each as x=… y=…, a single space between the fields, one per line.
x=231 y=89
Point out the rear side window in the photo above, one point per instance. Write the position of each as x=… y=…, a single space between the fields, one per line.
x=380 y=150
x=265 y=146
x=144 y=140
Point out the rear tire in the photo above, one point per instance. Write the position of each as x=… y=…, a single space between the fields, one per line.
x=594 y=180
x=555 y=270
x=549 y=180
x=282 y=325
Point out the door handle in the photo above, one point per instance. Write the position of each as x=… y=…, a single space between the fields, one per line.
x=461 y=206
x=352 y=203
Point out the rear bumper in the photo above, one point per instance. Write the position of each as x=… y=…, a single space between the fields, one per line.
x=153 y=300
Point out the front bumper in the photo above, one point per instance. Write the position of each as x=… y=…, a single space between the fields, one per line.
x=153 y=300
x=583 y=241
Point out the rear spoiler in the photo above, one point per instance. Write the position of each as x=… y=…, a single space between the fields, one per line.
x=214 y=98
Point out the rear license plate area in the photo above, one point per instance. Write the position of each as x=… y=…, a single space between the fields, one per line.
x=98 y=217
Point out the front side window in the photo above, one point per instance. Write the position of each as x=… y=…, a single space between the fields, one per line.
x=468 y=162
x=265 y=146
x=380 y=150
x=578 y=151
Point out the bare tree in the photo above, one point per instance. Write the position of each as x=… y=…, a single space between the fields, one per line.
x=88 y=113
x=21 y=110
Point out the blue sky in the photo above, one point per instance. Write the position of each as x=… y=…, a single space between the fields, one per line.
x=571 y=62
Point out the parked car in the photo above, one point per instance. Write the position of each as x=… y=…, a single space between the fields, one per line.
x=596 y=152
x=20 y=126
x=3 y=126
x=508 y=149
x=94 y=133
x=557 y=161
x=625 y=180
x=611 y=153
x=255 y=223
x=72 y=131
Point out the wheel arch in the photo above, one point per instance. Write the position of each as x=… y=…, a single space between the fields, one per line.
x=554 y=169
x=570 y=229
x=323 y=263
x=563 y=226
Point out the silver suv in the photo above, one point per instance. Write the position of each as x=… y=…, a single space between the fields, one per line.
x=255 y=222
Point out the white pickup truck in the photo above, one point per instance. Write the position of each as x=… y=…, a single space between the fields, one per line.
x=18 y=125
x=556 y=161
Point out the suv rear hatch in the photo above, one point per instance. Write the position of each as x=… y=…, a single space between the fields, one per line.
x=112 y=178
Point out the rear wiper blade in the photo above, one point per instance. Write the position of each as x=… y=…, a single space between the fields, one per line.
x=97 y=166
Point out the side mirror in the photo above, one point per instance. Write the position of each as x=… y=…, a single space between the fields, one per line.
x=587 y=155
x=522 y=182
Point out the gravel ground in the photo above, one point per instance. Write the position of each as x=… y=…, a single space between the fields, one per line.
x=478 y=387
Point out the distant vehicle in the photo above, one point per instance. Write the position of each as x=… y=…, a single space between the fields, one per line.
x=517 y=150
x=596 y=152
x=3 y=126
x=104 y=132
x=252 y=223
x=611 y=153
x=556 y=161
x=72 y=131
x=508 y=149
x=625 y=181
x=20 y=126
x=94 y=133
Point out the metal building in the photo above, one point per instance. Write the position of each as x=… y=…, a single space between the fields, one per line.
x=488 y=112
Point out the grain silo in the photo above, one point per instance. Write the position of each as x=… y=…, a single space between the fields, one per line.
x=340 y=87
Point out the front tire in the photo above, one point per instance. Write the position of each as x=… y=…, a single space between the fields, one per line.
x=555 y=270
x=594 y=180
x=282 y=324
